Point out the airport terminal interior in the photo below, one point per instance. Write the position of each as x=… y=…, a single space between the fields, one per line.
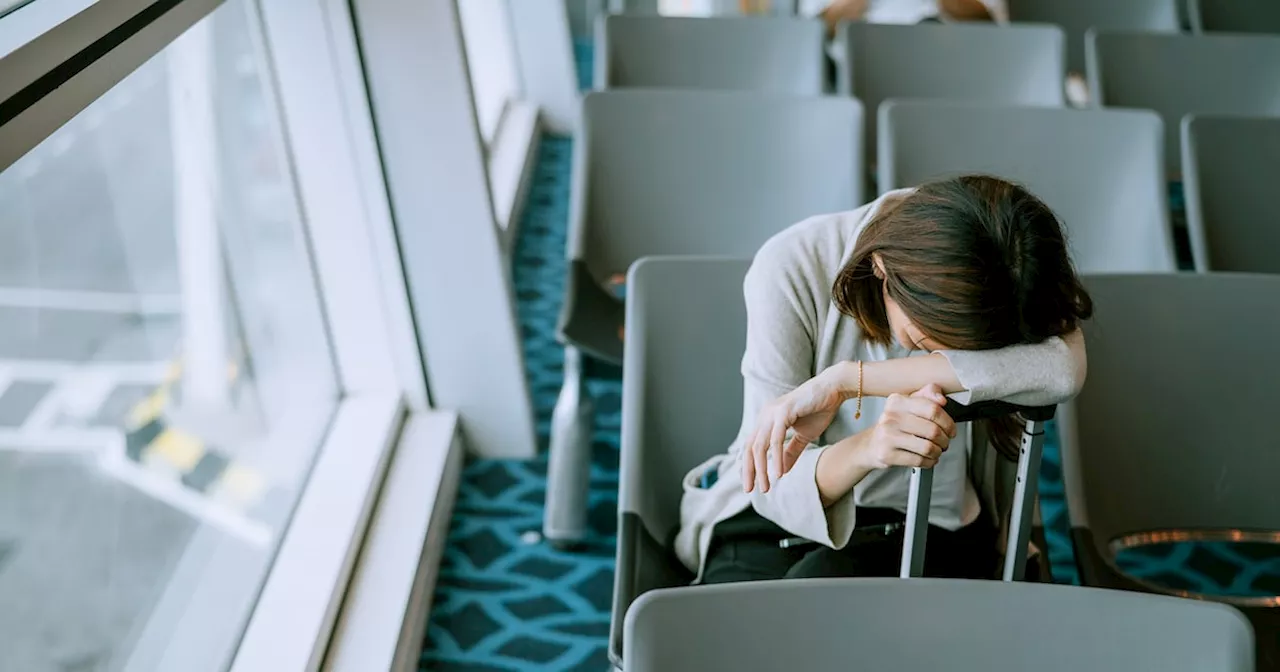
x=353 y=335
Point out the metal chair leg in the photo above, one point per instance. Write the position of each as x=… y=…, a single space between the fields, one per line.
x=1025 y=495
x=913 y=541
x=564 y=522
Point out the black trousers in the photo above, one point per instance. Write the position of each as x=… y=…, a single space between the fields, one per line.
x=746 y=548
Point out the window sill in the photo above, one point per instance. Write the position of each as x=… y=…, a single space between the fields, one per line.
x=511 y=159
x=384 y=618
x=298 y=605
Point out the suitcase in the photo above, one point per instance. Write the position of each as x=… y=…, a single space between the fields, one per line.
x=1021 y=518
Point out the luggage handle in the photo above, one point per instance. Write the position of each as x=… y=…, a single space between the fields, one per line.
x=1024 y=495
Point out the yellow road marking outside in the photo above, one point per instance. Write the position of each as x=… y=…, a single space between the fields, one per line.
x=179 y=449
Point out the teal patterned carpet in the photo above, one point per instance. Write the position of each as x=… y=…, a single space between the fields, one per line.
x=507 y=601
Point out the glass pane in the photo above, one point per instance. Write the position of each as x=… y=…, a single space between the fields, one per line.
x=165 y=374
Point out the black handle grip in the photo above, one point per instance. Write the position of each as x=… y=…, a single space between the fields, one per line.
x=993 y=409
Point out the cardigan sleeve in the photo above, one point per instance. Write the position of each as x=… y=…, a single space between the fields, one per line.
x=779 y=356
x=1040 y=374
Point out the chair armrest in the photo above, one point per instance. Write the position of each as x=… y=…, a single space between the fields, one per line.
x=643 y=564
x=591 y=317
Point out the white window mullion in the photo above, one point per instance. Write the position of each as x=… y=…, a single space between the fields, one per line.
x=491 y=60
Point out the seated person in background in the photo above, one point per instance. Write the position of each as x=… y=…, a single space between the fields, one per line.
x=969 y=274
x=833 y=12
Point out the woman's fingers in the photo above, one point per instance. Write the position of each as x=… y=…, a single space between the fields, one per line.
x=927 y=409
x=928 y=430
x=922 y=447
x=795 y=446
x=913 y=451
x=749 y=462
x=777 y=441
x=933 y=393
x=761 y=455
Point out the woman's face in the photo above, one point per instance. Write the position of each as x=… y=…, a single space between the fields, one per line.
x=904 y=331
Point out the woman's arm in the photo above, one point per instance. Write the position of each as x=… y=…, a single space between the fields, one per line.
x=903 y=375
x=1034 y=375
x=779 y=358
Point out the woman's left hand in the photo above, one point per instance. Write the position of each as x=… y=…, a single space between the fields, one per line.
x=807 y=411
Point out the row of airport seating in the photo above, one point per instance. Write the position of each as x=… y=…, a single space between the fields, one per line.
x=1099 y=170
x=671 y=168
x=1173 y=74
x=1076 y=16
x=650 y=161
x=661 y=172
x=1135 y=472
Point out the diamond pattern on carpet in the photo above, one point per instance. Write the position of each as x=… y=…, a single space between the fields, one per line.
x=507 y=601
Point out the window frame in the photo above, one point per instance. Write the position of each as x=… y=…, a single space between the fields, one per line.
x=510 y=139
x=315 y=74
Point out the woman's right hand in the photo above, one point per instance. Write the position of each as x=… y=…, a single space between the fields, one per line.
x=912 y=431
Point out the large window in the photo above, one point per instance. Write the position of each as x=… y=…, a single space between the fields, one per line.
x=165 y=372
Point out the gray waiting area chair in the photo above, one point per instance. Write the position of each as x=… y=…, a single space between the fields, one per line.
x=687 y=325
x=1172 y=435
x=1230 y=169
x=781 y=55
x=1077 y=16
x=1234 y=16
x=1007 y=65
x=583 y=14
x=1177 y=75
x=833 y=625
x=1101 y=171
x=679 y=172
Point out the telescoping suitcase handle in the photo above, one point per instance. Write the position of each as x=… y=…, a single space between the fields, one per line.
x=1024 y=495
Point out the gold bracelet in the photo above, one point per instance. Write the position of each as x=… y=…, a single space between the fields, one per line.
x=857 y=411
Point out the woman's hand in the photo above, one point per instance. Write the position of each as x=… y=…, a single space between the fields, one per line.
x=913 y=431
x=807 y=411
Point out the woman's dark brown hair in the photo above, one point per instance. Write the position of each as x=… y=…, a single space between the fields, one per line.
x=976 y=263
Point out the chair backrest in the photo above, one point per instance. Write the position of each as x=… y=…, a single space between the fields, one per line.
x=1167 y=433
x=1235 y=16
x=650 y=7
x=930 y=624
x=688 y=172
x=1077 y=16
x=681 y=384
x=1177 y=75
x=1101 y=171
x=1230 y=168
x=782 y=55
x=1009 y=65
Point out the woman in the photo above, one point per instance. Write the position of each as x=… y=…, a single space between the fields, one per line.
x=834 y=12
x=970 y=274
